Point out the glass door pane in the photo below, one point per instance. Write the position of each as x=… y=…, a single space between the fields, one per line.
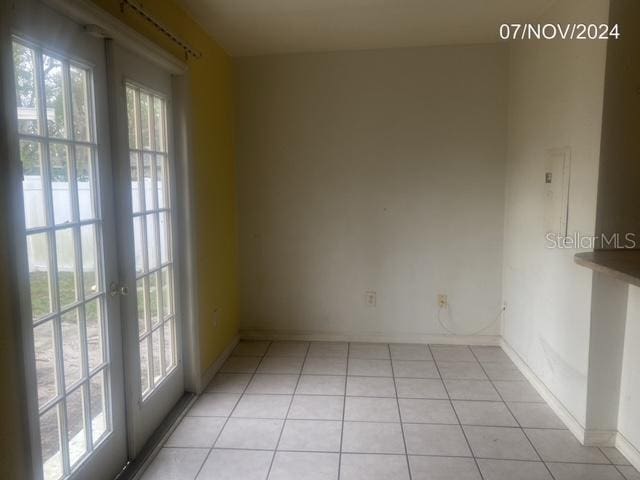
x=64 y=240
x=151 y=223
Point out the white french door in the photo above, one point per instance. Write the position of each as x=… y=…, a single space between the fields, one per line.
x=143 y=138
x=103 y=333
x=73 y=334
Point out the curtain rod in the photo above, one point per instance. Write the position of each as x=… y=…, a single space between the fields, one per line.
x=135 y=6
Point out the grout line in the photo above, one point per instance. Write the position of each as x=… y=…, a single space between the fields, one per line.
x=612 y=462
x=475 y=460
x=404 y=440
x=284 y=422
x=373 y=376
x=619 y=470
x=514 y=417
x=272 y=394
x=230 y=413
x=344 y=407
x=397 y=398
x=511 y=427
x=391 y=454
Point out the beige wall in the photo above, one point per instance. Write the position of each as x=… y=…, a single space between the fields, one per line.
x=371 y=170
x=556 y=95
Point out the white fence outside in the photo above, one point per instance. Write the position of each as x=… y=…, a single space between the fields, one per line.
x=35 y=215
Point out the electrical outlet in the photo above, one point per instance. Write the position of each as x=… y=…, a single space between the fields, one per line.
x=370 y=298
x=443 y=301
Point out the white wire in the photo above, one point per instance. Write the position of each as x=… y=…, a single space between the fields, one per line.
x=452 y=332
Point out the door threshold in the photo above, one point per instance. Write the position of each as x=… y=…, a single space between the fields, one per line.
x=136 y=467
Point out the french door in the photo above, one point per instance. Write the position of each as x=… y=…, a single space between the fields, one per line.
x=73 y=334
x=145 y=196
x=102 y=335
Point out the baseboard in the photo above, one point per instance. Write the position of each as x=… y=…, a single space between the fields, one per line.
x=135 y=469
x=594 y=438
x=258 y=334
x=556 y=405
x=210 y=372
x=629 y=451
x=600 y=438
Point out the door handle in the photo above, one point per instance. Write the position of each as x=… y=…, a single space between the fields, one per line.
x=115 y=290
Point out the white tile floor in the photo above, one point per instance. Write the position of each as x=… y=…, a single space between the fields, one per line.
x=329 y=411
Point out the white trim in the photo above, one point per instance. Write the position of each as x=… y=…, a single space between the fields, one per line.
x=210 y=372
x=16 y=272
x=255 y=334
x=102 y=23
x=591 y=438
x=556 y=405
x=143 y=416
x=156 y=449
x=185 y=220
x=599 y=438
x=627 y=449
x=204 y=381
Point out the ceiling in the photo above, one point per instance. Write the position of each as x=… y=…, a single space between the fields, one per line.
x=258 y=27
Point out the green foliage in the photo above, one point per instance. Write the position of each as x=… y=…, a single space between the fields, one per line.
x=30 y=155
x=56 y=89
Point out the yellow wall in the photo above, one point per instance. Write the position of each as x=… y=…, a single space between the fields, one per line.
x=213 y=155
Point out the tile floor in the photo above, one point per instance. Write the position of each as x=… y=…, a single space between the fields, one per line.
x=328 y=411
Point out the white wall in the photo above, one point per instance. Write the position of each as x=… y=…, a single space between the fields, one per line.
x=555 y=100
x=629 y=413
x=371 y=170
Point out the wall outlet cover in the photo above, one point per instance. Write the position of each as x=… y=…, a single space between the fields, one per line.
x=370 y=298
x=443 y=301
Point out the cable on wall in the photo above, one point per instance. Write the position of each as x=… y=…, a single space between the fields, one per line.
x=452 y=332
x=185 y=46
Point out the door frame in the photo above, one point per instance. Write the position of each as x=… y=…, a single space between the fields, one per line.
x=101 y=23
x=18 y=269
x=126 y=69
x=104 y=24
x=30 y=34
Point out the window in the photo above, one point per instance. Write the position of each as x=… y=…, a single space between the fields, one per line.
x=58 y=150
x=151 y=217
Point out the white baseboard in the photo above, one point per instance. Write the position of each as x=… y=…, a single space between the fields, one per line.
x=558 y=408
x=210 y=372
x=156 y=450
x=600 y=438
x=629 y=451
x=257 y=334
x=596 y=438
x=591 y=438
